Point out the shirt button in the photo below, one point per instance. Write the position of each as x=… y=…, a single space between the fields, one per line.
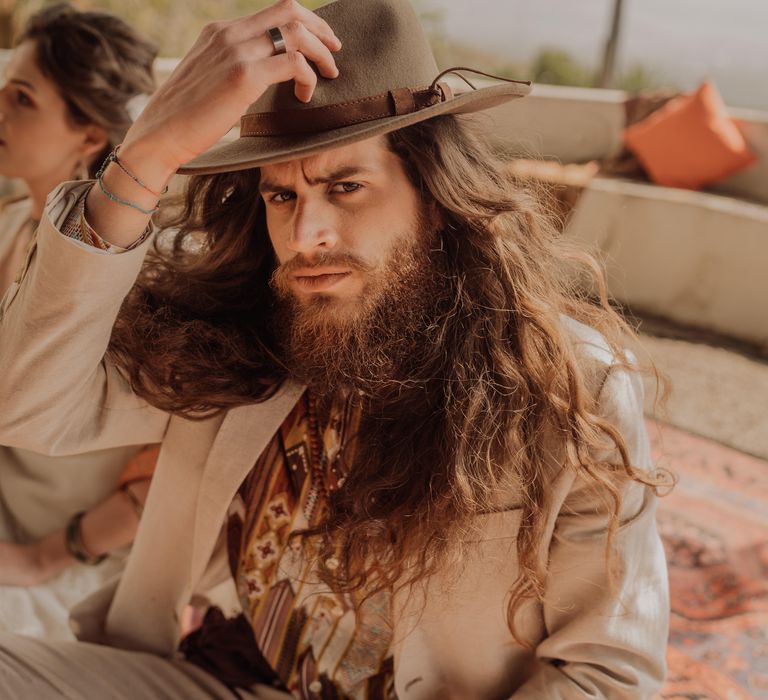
x=316 y=687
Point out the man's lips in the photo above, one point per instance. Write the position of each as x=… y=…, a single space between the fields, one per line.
x=319 y=278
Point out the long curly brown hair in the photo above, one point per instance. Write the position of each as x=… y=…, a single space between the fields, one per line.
x=500 y=378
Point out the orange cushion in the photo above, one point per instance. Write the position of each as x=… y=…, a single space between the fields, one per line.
x=690 y=142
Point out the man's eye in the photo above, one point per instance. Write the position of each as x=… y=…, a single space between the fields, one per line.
x=282 y=197
x=22 y=99
x=346 y=187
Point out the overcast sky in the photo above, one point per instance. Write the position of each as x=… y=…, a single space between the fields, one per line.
x=682 y=40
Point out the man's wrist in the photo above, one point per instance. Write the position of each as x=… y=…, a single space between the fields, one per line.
x=118 y=208
x=146 y=163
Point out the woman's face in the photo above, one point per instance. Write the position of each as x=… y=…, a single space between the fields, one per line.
x=38 y=142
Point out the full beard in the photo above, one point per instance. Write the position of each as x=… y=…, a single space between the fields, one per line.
x=375 y=349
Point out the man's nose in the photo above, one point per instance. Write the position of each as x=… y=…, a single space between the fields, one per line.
x=314 y=228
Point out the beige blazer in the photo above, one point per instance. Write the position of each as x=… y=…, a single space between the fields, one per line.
x=60 y=396
x=38 y=493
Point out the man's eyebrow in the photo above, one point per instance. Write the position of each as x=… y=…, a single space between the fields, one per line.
x=344 y=173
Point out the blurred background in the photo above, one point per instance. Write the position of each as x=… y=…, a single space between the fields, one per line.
x=663 y=43
x=686 y=259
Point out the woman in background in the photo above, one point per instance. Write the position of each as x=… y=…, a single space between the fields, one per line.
x=72 y=86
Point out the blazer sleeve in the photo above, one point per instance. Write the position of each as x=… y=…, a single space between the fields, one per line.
x=58 y=394
x=603 y=642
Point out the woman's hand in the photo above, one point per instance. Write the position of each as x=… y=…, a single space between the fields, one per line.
x=108 y=526
x=230 y=66
x=33 y=564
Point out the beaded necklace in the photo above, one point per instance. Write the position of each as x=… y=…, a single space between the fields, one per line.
x=326 y=473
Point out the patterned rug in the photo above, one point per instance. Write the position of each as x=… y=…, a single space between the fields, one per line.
x=715 y=531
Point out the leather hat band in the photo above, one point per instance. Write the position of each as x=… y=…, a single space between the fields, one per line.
x=316 y=119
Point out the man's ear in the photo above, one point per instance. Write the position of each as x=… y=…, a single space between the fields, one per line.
x=95 y=140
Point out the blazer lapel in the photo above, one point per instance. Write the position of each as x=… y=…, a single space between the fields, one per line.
x=244 y=434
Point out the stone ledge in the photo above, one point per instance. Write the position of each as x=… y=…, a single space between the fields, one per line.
x=692 y=257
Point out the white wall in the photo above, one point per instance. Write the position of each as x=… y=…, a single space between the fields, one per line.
x=571 y=125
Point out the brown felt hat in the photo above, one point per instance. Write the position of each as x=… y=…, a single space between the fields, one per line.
x=388 y=80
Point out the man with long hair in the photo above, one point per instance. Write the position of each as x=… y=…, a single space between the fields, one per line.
x=387 y=412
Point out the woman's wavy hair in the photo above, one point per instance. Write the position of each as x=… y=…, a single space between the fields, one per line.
x=501 y=381
x=98 y=64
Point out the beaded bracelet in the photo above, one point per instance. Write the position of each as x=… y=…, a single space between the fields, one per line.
x=112 y=158
x=73 y=539
x=114 y=198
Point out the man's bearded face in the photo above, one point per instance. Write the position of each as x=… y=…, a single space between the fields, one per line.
x=355 y=282
x=366 y=342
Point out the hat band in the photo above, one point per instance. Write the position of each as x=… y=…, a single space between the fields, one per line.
x=315 y=119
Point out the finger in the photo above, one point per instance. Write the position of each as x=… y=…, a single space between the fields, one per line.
x=291 y=66
x=234 y=37
x=256 y=26
x=299 y=38
x=285 y=11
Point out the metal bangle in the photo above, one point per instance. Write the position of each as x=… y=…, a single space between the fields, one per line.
x=138 y=506
x=278 y=40
x=73 y=540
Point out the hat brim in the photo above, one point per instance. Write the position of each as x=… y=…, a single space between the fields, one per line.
x=255 y=151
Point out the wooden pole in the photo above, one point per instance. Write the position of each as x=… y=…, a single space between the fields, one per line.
x=611 y=47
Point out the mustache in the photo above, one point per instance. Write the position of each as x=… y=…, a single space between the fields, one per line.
x=301 y=262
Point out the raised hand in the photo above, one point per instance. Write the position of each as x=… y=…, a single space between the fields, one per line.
x=230 y=66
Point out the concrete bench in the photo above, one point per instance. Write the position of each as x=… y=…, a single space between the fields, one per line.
x=694 y=257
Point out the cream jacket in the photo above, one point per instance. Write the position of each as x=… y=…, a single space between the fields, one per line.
x=60 y=396
x=38 y=494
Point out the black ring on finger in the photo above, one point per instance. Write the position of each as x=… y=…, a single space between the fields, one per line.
x=278 y=40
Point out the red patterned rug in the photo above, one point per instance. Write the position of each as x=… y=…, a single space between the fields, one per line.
x=715 y=531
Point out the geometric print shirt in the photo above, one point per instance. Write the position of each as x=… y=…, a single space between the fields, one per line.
x=319 y=644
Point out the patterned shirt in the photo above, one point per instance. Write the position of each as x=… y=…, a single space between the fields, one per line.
x=318 y=643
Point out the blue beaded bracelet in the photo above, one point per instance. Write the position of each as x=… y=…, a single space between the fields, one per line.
x=125 y=202
x=113 y=158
